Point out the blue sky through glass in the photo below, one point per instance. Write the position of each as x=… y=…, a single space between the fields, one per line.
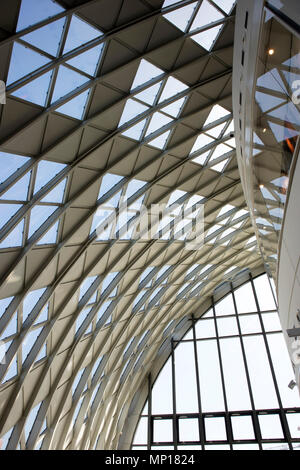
x=34 y=11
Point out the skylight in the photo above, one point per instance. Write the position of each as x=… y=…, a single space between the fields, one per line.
x=145 y=72
x=34 y=11
x=75 y=107
x=35 y=91
x=48 y=37
x=23 y=62
x=207 y=38
x=160 y=141
x=10 y=163
x=39 y=214
x=131 y=110
x=15 y=237
x=88 y=60
x=67 y=80
x=217 y=112
x=149 y=95
x=171 y=88
x=206 y=14
x=181 y=17
x=79 y=33
x=226 y=5
x=45 y=172
x=158 y=120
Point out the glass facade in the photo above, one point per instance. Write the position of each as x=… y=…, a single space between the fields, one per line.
x=275 y=128
x=225 y=386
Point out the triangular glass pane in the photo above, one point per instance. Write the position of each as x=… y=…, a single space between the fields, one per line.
x=86 y=285
x=39 y=215
x=160 y=141
x=226 y=5
x=100 y=216
x=202 y=158
x=201 y=141
x=174 y=108
x=102 y=310
x=158 y=120
x=11 y=328
x=35 y=91
x=4 y=303
x=34 y=11
x=133 y=187
x=281 y=132
x=19 y=191
x=15 y=238
x=87 y=61
x=57 y=194
x=12 y=371
x=31 y=300
x=43 y=315
x=50 y=237
x=181 y=17
x=219 y=151
x=272 y=81
x=45 y=172
x=288 y=113
x=177 y=194
x=131 y=110
x=206 y=14
x=240 y=213
x=81 y=318
x=145 y=72
x=48 y=37
x=216 y=131
x=149 y=95
x=135 y=131
x=10 y=163
x=257 y=140
x=108 y=182
x=216 y=113
x=114 y=201
x=108 y=280
x=75 y=107
x=7 y=211
x=267 y=101
x=225 y=209
x=220 y=166
x=172 y=87
x=23 y=62
x=80 y=32
x=67 y=80
x=207 y=38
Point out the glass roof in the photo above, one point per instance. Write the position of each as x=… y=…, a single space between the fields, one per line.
x=103 y=132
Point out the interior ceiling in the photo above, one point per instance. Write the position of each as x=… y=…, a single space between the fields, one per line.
x=54 y=259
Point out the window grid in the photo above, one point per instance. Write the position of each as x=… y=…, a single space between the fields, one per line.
x=255 y=417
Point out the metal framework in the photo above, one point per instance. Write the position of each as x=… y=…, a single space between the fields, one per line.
x=81 y=330
x=202 y=437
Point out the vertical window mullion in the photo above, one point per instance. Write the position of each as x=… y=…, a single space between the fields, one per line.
x=200 y=419
x=283 y=419
x=254 y=413
x=175 y=433
x=227 y=416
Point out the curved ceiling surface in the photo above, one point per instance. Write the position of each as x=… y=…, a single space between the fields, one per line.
x=109 y=105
